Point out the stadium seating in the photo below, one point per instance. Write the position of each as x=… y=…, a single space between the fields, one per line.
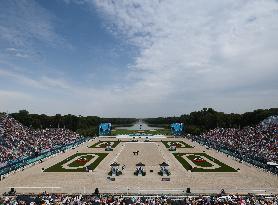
x=256 y=145
x=18 y=141
x=97 y=199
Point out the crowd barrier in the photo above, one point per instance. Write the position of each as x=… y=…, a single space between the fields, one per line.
x=79 y=189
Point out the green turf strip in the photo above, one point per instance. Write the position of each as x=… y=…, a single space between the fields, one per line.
x=223 y=167
x=147 y=132
x=115 y=143
x=58 y=167
x=183 y=144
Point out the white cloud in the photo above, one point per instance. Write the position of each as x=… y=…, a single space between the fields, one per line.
x=17 y=52
x=23 y=21
x=192 y=54
x=24 y=24
x=43 y=82
x=193 y=48
x=13 y=100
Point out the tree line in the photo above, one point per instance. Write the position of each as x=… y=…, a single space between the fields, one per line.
x=207 y=118
x=196 y=122
x=84 y=125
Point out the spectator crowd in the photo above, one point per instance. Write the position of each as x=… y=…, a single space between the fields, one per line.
x=257 y=145
x=17 y=141
x=259 y=142
x=49 y=199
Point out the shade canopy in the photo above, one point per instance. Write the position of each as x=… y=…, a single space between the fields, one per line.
x=164 y=164
x=140 y=164
x=115 y=164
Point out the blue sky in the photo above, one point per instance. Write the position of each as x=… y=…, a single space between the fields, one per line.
x=138 y=58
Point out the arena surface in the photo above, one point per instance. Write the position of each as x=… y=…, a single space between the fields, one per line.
x=248 y=180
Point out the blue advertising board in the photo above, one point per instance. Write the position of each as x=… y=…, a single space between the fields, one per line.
x=177 y=129
x=105 y=129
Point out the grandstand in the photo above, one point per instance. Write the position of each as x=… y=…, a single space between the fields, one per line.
x=270 y=121
x=85 y=166
x=221 y=198
x=138 y=102
x=50 y=166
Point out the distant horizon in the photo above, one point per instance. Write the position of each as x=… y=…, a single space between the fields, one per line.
x=138 y=118
x=138 y=58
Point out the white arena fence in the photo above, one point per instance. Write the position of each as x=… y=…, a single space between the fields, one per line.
x=142 y=192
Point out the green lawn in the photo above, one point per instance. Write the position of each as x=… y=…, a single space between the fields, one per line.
x=183 y=144
x=201 y=164
x=115 y=143
x=58 y=167
x=147 y=132
x=77 y=163
x=223 y=167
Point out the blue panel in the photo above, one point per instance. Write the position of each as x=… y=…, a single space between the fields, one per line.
x=105 y=129
x=177 y=129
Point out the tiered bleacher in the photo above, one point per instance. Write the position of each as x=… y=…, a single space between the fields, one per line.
x=97 y=199
x=257 y=145
x=20 y=144
x=270 y=121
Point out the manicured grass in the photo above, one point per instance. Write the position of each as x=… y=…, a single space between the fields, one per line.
x=201 y=164
x=183 y=144
x=147 y=132
x=114 y=144
x=58 y=167
x=223 y=167
x=77 y=163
